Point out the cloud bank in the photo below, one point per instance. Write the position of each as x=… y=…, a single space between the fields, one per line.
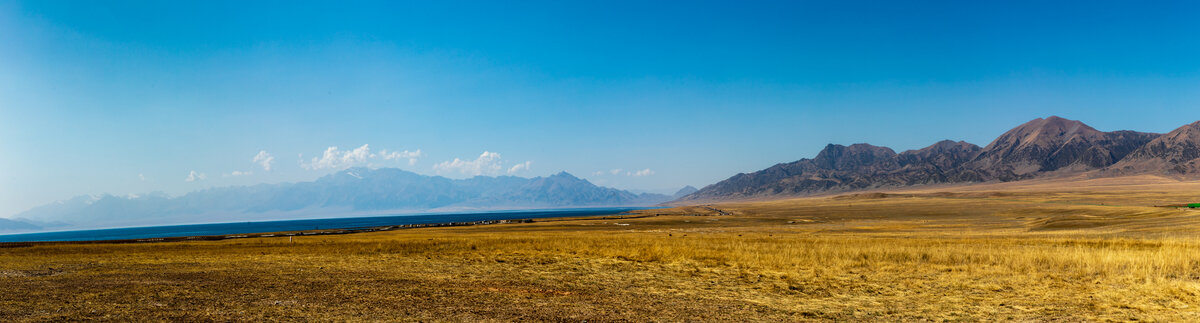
x=194 y=176
x=488 y=163
x=265 y=159
x=622 y=172
x=519 y=167
x=397 y=155
x=237 y=173
x=335 y=158
x=640 y=173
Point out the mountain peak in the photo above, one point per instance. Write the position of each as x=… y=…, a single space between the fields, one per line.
x=1054 y=118
x=685 y=191
x=843 y=157
x=565 y=175
x=1053 y=128
x=948 y=145
x=1053 y=143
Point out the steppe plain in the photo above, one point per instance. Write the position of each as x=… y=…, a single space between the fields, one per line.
x=1063 y=249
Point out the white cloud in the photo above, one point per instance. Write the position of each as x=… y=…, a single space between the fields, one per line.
x=622 y=172
x=240 y=173
x=519 y=167
x=396 y=155
x=265 y=159
x=487 y=163
x=640 y=173
x=142 y=177
x=194 y=176
x=333 y=158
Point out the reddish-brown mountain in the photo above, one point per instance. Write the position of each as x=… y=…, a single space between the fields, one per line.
x=1052 y=146
x=1175 y=153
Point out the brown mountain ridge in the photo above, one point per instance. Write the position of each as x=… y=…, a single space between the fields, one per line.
x=1043 y=147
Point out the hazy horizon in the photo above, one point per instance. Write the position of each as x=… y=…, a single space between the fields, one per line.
x=131 y=98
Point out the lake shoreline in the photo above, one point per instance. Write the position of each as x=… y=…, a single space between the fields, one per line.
x=320 y=232
x=566 y=214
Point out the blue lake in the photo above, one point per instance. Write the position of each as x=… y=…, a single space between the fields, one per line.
x=212 y=229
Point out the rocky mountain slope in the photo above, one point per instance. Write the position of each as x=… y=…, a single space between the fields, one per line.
x=1052 y=146
x=1177 y=152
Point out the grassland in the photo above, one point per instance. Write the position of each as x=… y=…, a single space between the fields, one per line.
x=1068 y=250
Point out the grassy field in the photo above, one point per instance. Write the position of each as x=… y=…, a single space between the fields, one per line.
x=1078 y=250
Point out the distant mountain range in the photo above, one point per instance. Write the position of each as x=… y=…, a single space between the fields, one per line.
x=685 y=191
x=355 y=191
x=1040 y=148
x=17 y=225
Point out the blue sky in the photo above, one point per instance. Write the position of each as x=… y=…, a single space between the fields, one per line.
x=133 y=97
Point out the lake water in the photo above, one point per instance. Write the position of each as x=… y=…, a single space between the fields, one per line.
x=213 y=229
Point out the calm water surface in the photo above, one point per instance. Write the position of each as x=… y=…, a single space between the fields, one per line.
x=212 y=229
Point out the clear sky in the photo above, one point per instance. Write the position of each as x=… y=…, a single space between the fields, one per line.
x=175 y=96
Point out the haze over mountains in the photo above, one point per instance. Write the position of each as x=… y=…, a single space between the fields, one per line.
x=1039 y=148
x=355 y=191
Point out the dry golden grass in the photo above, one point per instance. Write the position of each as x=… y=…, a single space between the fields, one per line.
x=1087 y=250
